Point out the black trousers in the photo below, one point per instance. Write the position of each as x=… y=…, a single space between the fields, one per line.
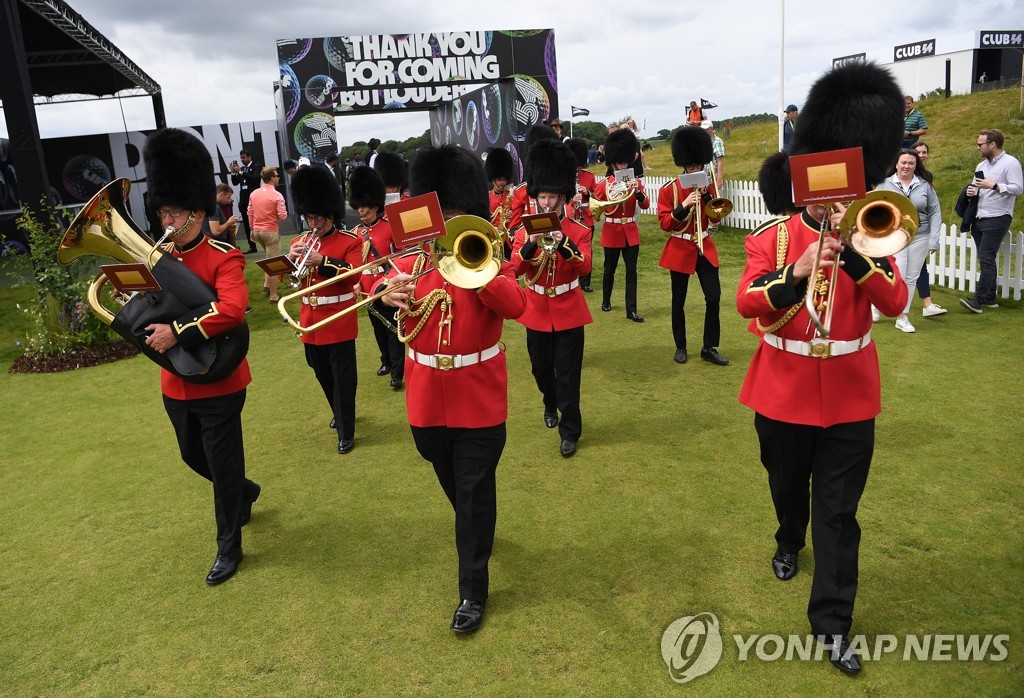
x=335 y=369
x=611 y=262
x=465 y=461
x=392 y=351
x=243 y=212
x=707 y=274
x=819 y=474
x=557 y=362
x=209 y=432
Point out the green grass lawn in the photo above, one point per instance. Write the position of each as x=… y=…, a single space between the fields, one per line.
x=349 y=579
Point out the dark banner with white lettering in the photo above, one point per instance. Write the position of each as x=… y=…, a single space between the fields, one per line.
x=843 y=60
x=1001 y=38
x=918 y=49
x=329 y=76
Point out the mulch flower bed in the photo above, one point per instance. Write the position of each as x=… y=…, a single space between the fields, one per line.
x=79 y=357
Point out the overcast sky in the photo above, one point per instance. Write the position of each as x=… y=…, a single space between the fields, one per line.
x=216 y=61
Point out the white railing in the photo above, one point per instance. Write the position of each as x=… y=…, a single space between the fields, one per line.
x=954 y=266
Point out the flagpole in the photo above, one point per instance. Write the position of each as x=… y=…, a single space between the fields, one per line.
x=782 y=69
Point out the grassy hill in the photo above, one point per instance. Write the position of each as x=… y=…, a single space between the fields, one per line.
x=953 y=126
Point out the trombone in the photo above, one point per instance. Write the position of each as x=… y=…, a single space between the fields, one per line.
x=879 y=225
x=468 y=255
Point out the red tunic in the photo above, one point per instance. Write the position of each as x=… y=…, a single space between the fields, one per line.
x=680 y=254
x=495 y=203
x=799 y=389
x=618 y=234
x=341 y=250
x=379 y=234
x=586 y=179
x=473 y=396
x=221 y=266
x=566 y=310
x=519 y=201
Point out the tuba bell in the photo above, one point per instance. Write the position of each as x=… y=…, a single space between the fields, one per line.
x=104 y=228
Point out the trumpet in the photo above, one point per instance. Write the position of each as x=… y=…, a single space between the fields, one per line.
x=879 y=225
x=311 y=240
x=468 y=255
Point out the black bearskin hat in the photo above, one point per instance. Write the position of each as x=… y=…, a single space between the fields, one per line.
x=535 y=134
x=315 y=191
x=857 y=104
x=500 y=165
x=366 y=188
x=620 y=146
x=456 y=175
x=579 y=149
x=691 y=145
x=551 y=167
x=393 y=169
x=179 y=171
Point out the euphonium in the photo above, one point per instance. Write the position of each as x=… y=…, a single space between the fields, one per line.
x=105 y=229
x=617 y=193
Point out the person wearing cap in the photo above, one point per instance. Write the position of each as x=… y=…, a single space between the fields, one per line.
x=247 y=177
x=789 y=127
x=556 y=311
x=620 y=235
x=500 y=170
x=331 y=350
x=579 y=205
x=678 y=211
x=366 y=196
x=455 y=371
x=815 y=399
x=371 y=154
x=207 y=417
x=556 y=126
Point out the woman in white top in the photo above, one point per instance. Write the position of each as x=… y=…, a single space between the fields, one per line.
x=909 y=179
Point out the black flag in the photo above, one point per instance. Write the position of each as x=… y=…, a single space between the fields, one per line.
x=704 y=104
x=580 y=111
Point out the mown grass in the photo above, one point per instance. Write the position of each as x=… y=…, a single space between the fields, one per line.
x=349 y=578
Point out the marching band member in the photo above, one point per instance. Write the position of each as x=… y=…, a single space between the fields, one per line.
x=500 y=169
x=521 y=202
x=331 y=350
x=457 y=392
x=394 y=170
x=579 y=206
x=816 y=403
x=556 y=310
x=620 y=234
x=366 y=195
x=207 y=417
x=678 y=209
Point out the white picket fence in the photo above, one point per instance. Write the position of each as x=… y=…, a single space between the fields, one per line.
x=954 y=266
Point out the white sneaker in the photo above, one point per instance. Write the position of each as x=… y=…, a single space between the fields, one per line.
x=903 y=324
x=933 y=310
x=875 y=315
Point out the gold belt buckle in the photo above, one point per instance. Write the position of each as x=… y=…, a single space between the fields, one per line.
x=445 y=363
x=821 y=348
x=550 y=290
x=312 y=301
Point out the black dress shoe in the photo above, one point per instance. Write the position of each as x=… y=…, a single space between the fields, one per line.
x=252 y=251
x=550 y=420
x=634 y=316
x=334 y=423
x=681 y=356
x=784 y=565
x=606 y=307
x=396 y=382
x=224 y=567
x=842 y=655
x=588 y=289
x=346 y=445
x=383 y=370
x=468 y=616
x=713 y=356
x=568 y=448
x=253 y=495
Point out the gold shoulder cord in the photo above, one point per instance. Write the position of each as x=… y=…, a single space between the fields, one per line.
x=423 y=307
x=675 y=204
x=780 y=261
x=541 y=263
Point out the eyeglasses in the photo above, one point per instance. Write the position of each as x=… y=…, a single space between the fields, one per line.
x=169 y=212
x=984 y=143
x=315 y=219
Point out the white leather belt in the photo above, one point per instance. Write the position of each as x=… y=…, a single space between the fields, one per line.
x=619 y=220
x=447 y=362
x=818 y=348
x=689 y=236
x=326 y=300
x=555 y=290
x=374 y=270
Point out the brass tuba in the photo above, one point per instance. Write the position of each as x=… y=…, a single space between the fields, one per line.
x=104 y=228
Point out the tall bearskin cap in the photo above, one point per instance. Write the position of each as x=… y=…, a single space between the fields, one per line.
x=393 y=169
x=551 y=167
x=857 y=104
x=455 y=174
x=500 y=165
x=579 y=149
x=691 y=146
x=621 y=146
x=315 y=191
x=179 y=171
x=366 y=188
